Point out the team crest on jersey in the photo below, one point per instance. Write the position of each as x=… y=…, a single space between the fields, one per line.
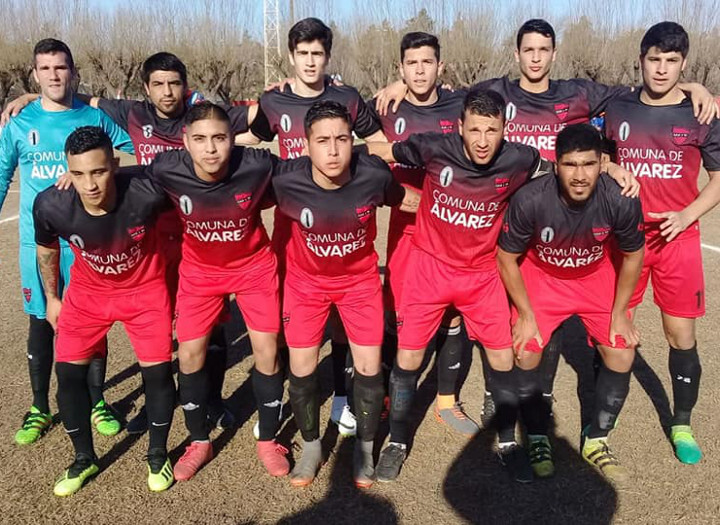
x=447 y=126
x=680 y=135
x=364 y=213
x=561 y=111
x=243 y=200
x=306 y=218
x=76 y=240
x=137 y=233
x=33 y=137
x=400 y=126
x=285 y=122
x=510 y=111
x=147 y=131
x=186 y=205
x=547 y=234
x=27 y=293
x=624 y=131
x=446 y=176
x=502 y=184
x=601 y=233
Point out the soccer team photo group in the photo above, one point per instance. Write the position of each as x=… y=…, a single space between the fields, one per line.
x=377 y=256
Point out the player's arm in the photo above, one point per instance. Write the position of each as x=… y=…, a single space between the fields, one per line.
x=260 y=129
x=119 y=137
x=624 y=178
x=628 y=275
x=409 y=152
x=246 y=139
x=8 y=162
x=367 y=123
x=705 y=106
x=48 y=260
x=14 y=107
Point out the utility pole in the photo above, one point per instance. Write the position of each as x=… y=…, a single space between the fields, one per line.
x=271 y=33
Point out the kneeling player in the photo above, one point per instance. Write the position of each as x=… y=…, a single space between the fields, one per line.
x=119 y=275
x=563 y=225
x=331 y=199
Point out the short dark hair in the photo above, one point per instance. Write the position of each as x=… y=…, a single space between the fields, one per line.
x=667 y=37
x=418 y=39
x=50 y=46
x=88 y=138
x=484 y=102
x=578 y=137
x=324 y=109
x=309 y=30
x=206 y=110
x=162 y=61
x=536 y=25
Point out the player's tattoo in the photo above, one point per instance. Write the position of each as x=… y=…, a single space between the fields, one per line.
x=48 y=264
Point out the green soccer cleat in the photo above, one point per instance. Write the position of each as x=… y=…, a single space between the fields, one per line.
x=597 y=452
x=104 y=420
x=35 y=424
x=160 y=471
x=686 y=448
x=72 y=480
x=541 y=459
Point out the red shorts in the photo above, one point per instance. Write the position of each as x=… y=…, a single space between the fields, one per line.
x=201 y=293
x=554 y=300
x=85 y=320
x=399 y=245
x=676 y=270
x=307 y=303
x=431 y=286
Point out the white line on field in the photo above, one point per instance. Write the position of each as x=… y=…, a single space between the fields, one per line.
x=15 y=217
x=711 y=247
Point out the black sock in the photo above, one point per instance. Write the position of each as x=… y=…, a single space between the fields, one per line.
x=504 y=392
x=216 y=363
x=96 y=378
x=388 y=353
x=534 y=410
x=402 y=392
x=74 y=402
x=305 y=402
x=685 y=372
x=40 y=361
x=486 y=370
x=450 y=347
x=611 y=391
x=550 y=361
x=339 y=361
x=368 y=395
x=159 y=401
x=193 y=390
x=268 y=391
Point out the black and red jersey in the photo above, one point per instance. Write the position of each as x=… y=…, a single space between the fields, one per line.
x=282 y=113
x=221 y=219
x=568 y=242
x=116 y=252
x=535 y=119
x=663 y=146
x=463 y=203
x=333 y=231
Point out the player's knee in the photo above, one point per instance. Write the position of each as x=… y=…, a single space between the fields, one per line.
x=501 y=360
x=409 y=359
x=618 y=360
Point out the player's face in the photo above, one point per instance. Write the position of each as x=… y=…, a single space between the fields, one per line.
x=661 y=71
x=309 y=60
x=329 y=145
x=482 y=136
x=535 y=56
x=420 y=70
x=54 y=75
x=165 y=90
x=578 y=172
x=93 y=176
x=209 y=143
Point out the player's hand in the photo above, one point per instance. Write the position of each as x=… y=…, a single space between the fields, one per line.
x=411 y=201
x=626 y=180
x=14 y=108
x=525 y=330
x=64 y=182
x=280 y=86
x=52 y=311
x=623 y=329
x=705 y=106
x=674 y=224
x=394 y=93
x=448 y=87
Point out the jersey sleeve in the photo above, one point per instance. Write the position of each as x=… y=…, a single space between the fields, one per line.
x=366 y=122
x=517 y=226
x=45 y=234
x=8 y=161
x=120 y=139
x=117 y=110
x=629 y=228
x=599 y=95
x=710 y=148
x=261 y=125
x=413 y=151
x=394 y=192
x=238 y=118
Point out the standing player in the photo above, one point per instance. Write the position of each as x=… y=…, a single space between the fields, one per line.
x=218 y=192
x=35 y=142
x=425 y=108
x=660 y=141
x=561 y=228
x=281 y=113
x=331 y=198
x=119 y=275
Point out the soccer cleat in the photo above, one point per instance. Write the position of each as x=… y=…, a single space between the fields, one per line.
x=516 y=461
x=686 y=448
x=72 y=480
x=104 y=420
x=488 y=411
x=342 y=416
x=540 y=453
x=363 y=464
x=456 y=418
x=160 y=471
x=390 y=462
x=35 y=424
x=220 y=416
x=273 y=457
x=597 y=452
x=138 y=424
x=196 y=455
x=306 y=469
